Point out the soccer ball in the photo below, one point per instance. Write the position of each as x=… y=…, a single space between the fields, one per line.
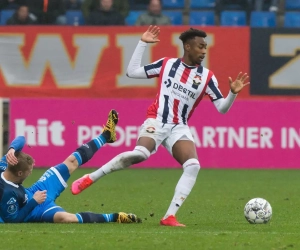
x=258 y=211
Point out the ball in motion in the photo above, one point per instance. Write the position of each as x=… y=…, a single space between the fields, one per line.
x=258 y=211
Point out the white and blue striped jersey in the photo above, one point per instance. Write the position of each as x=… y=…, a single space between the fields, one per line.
x=181 y=89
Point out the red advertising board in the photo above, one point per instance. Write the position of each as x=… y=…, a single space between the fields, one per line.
x=91 y=62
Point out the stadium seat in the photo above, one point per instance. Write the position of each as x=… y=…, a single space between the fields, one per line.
x=204 y=18
x=74 y=17
x=262 y=19
x=233 y=18
x=292 y=4
x=5 y=15
x=292 y=20
x=204 y=4
x=175 y=16
x=173 y=4
x=137 y=4
x=132 y=17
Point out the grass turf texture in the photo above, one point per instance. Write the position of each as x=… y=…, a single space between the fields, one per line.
x=213 y=213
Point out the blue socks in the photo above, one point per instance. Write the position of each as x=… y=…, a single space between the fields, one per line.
x=84 y=153
x=88 y=217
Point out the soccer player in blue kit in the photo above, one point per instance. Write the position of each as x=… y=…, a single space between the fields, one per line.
x=37 y=203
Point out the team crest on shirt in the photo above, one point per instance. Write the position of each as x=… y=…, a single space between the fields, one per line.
x=12 y=209
x=150 y=130
x=196 y=81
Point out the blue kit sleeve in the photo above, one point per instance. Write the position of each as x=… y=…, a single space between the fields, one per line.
x=18 y=143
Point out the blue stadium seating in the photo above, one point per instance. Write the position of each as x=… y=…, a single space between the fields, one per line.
x=233 y=18
x=262 y=19
x=133 y=16
x=292 y=19
x=204 y=18
x=175 y=16
x=292 y=4
x=205 y=4
x=74 y=16
x=173 y=4
x=5 y=15
x=137 y=4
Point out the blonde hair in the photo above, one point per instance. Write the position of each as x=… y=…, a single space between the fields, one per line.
x=25 y=161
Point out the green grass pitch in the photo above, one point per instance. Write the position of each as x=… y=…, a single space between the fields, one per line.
x=213 y=212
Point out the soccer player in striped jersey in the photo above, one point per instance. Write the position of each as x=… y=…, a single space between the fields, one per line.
x=183 y=83
x=37 y=203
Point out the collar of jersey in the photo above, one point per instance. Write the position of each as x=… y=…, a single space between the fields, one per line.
x=187 y=66
x=9 y=182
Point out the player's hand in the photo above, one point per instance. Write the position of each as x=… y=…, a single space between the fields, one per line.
x=11 y=158
x=40 y=196
x=151 y=35
x=239 y=83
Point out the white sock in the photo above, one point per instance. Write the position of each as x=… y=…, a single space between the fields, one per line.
x=184 y=186
x=121 y=161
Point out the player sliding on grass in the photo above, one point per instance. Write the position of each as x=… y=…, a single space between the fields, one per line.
x=183 y=82
x=37 y=203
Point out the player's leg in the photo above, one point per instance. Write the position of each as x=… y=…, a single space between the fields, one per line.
x=84 y=153
x=51 y=213
x=54 y=180
x=121 y=161
x=89 y=217
x=141 y=152
x=151 y=135
x=184 y=151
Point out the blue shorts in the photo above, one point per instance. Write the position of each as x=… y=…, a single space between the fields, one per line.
x=54 y=180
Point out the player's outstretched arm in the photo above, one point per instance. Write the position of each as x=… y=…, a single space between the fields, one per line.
x=240 y=82
x=134 y=69
x=224 y=104
x=151 y=35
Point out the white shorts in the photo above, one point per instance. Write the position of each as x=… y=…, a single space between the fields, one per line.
x=165 y=134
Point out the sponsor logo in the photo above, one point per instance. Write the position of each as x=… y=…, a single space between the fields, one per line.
x=11 y=201
x=168 y=83
x=180 y=88
x=184 y=90
x=43 y=178
x=44 y=133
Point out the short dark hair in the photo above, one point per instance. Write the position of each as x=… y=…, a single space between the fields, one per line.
x=191 y=34
x=24 y=162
